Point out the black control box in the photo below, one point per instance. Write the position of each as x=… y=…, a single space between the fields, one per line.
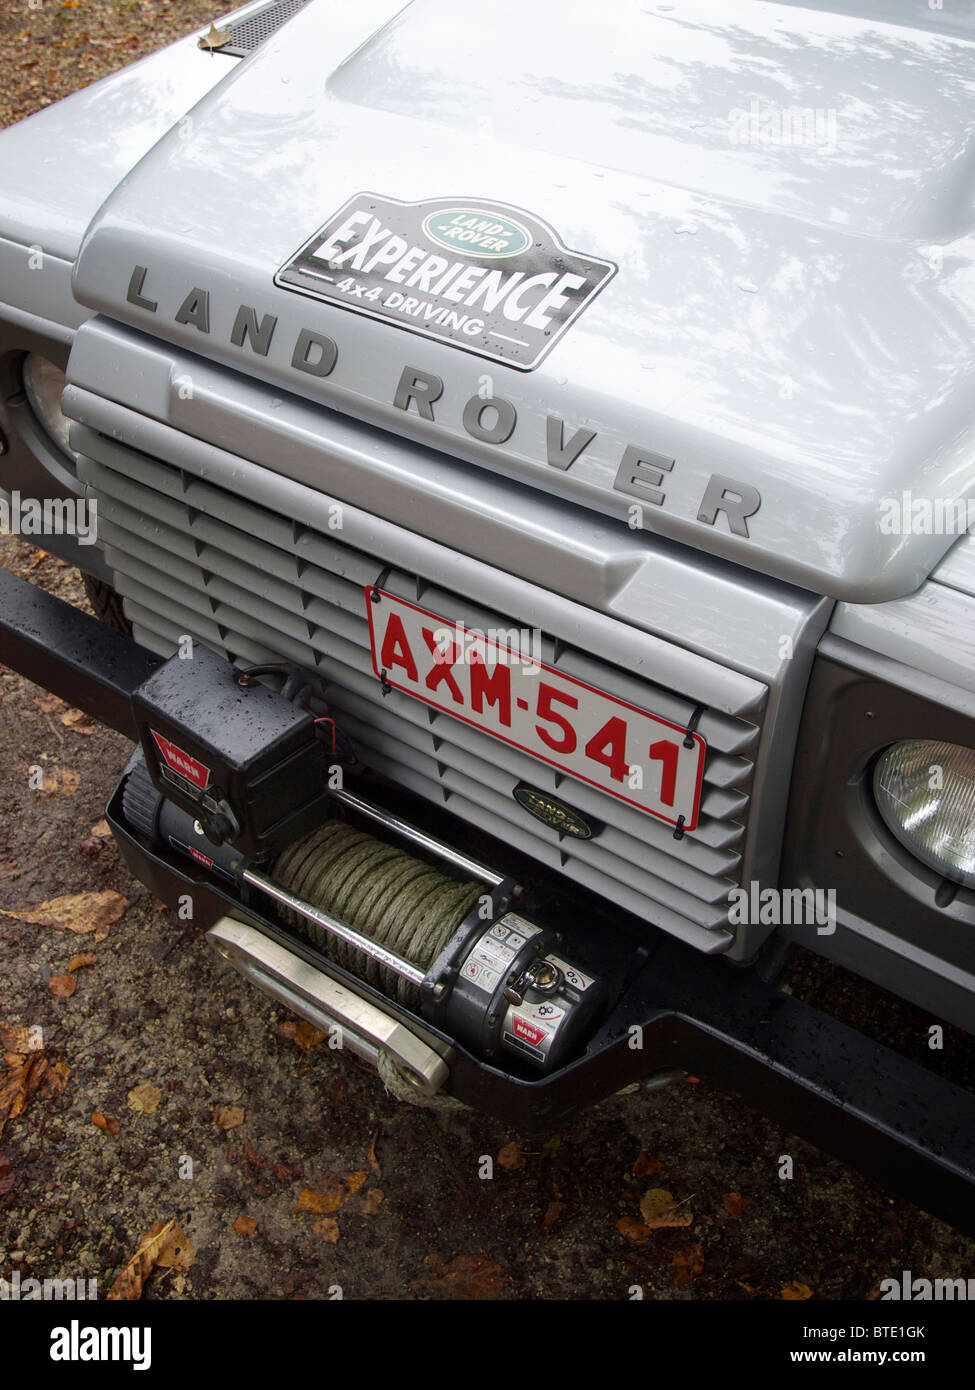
x=243 y=760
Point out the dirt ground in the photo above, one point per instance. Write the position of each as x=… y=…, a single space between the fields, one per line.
x=167 y=1090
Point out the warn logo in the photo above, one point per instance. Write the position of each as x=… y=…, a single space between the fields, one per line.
x=526 y=1030
x=181 y=763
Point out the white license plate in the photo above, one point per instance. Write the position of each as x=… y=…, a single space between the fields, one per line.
x=628 y=752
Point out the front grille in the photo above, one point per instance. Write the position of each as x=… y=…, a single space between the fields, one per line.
x=193 y=557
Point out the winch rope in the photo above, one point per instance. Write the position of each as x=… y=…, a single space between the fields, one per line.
x=400 y=902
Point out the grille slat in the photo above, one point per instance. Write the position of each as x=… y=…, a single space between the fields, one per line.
x=192 y=558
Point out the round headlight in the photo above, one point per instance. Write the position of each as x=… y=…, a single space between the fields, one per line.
x=43 y=383
x=925 y=792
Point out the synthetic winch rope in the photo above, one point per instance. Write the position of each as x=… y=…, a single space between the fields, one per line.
x=400 y=902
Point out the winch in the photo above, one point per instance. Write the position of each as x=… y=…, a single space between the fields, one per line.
x=455 y=952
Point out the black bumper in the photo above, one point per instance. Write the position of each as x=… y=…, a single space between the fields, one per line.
x=892 y=1119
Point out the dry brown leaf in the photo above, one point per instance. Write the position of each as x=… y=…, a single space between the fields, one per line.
x=373 y=1160
x=552 y=1213
x=144 y=1099
x=48 y=703
x=687 y=1264
x=20 y=1039
x=511 y=1157
x=631 y=1228
x=467 y=1276
x=6 y=1175
x=658 y=1208
x=62 y=986
x=332 y=1192
x=373 y=1200
x=152 y=1247
x=245 y=1225
x=301 y=1033
x=101 y=830
x=177 y=1253
x=216 y=38
x=60 y=782
x=19 y=1084
x=228 y=1116
x=794 y=1292
x=734 y=1204
x=106 y=1122
x=75 y=912
x=327 y=1228
x=79 y=962
x=77 y=720
x=646 y=1165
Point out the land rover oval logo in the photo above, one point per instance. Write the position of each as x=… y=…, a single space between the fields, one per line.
x=553 y=812
x=476 y=232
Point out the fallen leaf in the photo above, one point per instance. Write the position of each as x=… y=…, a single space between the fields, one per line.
x=373 y=1160
x=75 y=912
x=511 y=1157
x=6 y=1175
x=19 y=1085
x=734 y=1204
x=144 y=1099
x=60 y=782
x=658 y=1208
x=631 y=1228
x=552 y=1213
x=228 y=1116
x=245 y=1225
x=373 y=1200
x=79 y=962
x=48 y=703
x=163 y=1245
x=327 y=1228
x=332 y=1192
x=62 y=986
x=646 y=1165
x=177 y=1253
x=795 y=1292
x=101 y=830
x=686 y=1264
x=467 y=1276
x=77 y=720
x=106 y=1122
x=216 y=38
x=301 y=1033
x=15 y=1038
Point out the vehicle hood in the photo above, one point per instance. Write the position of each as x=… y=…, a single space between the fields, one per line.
x=782 y=199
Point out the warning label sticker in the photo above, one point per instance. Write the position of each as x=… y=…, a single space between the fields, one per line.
x=492 y=279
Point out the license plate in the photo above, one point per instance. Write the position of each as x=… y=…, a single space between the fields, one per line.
x=636 y=756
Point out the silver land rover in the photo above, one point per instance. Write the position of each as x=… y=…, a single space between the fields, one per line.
x=528 y=457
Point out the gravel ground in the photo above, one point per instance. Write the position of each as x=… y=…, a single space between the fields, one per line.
x=168 y=1091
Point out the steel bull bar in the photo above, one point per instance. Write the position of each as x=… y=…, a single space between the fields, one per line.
x=903 y=1126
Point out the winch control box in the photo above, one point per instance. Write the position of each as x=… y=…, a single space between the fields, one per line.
x=245 y=761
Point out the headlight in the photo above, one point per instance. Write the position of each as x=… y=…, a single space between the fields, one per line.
x=926 y=794
x=43 y=383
